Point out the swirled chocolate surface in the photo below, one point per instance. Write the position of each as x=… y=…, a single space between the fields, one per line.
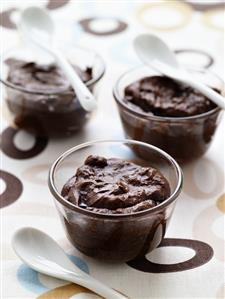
x=114 y=186
x=162 y=96
x=37 y=77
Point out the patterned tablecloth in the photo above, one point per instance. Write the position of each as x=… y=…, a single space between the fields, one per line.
x=190 y=261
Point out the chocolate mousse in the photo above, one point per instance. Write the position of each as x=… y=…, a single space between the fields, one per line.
x=114 y=186
x=38 y=77
x=162 y=96
x=44 y=102
x=170 y=115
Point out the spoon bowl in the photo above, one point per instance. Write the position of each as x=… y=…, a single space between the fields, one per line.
x=30 y=23
x=43 y=254
x=154 y=52
x=40 y=249
x=150 y=48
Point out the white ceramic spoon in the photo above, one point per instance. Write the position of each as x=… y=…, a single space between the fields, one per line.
x=37 y=26
x=154 y=52
x=44 y=255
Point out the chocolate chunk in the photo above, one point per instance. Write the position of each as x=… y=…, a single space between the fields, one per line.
x=96 y=161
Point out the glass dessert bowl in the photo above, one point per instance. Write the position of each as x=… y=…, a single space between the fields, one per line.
x=184 y=137
x=39 y=96
x=109 y=236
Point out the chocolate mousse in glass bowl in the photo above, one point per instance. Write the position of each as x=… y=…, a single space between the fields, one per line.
x=39 y=95
x=113 y=205
x=170 y=115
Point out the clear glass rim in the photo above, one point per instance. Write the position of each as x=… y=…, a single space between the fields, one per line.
x=59 y=91
x=144 y=115
x=69 y=205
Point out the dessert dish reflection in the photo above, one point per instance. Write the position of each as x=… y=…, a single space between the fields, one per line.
x=45 y=104
x=114 y=186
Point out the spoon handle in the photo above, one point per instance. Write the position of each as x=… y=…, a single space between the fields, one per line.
x=208 y=92
x=182 y=76
x=83 y=94
x=95 y=286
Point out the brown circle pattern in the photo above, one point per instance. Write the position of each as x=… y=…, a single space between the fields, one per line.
x=197 y=5
x=9 y=148
x=86 y=25
x=13 y=190
x=203 y=228
x=203 y=253
x=53 y=4
x=210 y=60
x=5 y=18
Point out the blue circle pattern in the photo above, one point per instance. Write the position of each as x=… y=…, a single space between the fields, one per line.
x=79 y=263
x=29 y=279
